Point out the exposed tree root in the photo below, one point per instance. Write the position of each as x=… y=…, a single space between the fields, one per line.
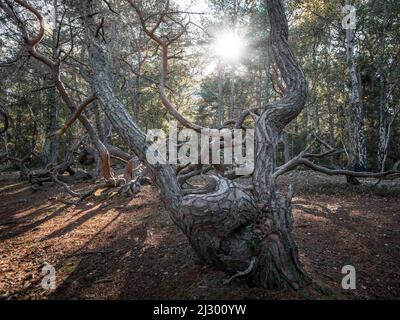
x=242 y=273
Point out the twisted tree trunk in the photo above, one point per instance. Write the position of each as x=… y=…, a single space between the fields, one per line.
x=227 y=227
x=277 y=264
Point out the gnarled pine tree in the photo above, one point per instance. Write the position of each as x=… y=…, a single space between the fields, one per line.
x=228 y=227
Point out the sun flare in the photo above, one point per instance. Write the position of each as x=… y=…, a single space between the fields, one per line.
x=229 y=46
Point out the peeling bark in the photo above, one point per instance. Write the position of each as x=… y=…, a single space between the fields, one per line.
x=357 y=144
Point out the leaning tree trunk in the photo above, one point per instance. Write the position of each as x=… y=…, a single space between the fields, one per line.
x=227 y=227
x=31 y=43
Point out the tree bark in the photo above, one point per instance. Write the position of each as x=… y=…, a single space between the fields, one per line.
x=286 y=146
x=227 y=227
x=278 y=264
x=385 y=118
x=220 y=111
x=31 y=43
x=53 y=94
x=231 y=109
x=357 y=144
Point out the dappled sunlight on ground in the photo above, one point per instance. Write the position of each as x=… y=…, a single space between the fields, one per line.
x=112 y=247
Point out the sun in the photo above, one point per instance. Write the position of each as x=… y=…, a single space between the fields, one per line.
x=229 y=46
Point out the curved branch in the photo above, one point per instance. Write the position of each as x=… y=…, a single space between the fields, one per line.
x=76 y=115
x=164 y=69
x=302 y=161
x=281 y=112
x=31 y=44
x=36 y=39
x=238 y=122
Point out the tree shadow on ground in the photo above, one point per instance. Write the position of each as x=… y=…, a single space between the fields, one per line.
x=16 y=229
x=100 y=266
x=144 y=256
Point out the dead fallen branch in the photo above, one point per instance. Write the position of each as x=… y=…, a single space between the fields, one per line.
x=300 y=160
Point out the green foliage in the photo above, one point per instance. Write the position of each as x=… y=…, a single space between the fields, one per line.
x=195 y=74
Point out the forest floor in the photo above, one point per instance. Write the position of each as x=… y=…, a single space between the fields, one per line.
x=111 y=247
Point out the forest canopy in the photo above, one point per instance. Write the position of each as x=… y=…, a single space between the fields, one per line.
x=88 y=88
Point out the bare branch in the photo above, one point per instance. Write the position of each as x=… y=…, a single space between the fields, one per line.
x=292 y=164
x=76 y=115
